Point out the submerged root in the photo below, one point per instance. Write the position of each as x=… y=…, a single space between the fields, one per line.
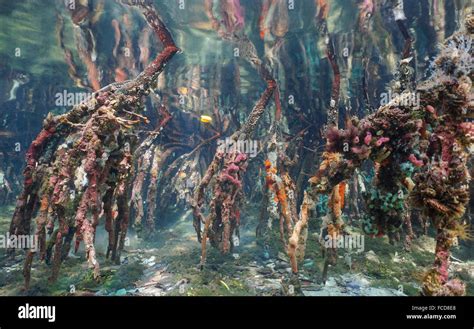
x=83 y=158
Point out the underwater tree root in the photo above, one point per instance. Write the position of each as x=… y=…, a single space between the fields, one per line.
x=79 y=167
x=432 y=138
x=225 y=172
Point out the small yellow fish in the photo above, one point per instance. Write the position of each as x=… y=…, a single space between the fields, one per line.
x=182 y=175
x=182 y=90
x=206 y=118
